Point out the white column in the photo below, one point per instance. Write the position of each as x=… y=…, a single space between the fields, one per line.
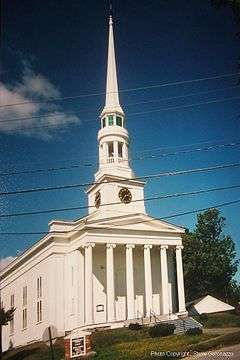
x=130 y=281
x=180 y=280
x=110 y=283
x=125 y=152
x=88 y=283
x=148 y=278
x=105 y=152
x=115 y=150
x=164 y=279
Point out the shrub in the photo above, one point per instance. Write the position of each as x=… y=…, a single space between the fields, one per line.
x=203 y=316
x=194 y=331
x=134 y=326
x=163 y=329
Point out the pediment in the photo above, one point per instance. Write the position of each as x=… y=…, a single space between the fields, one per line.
x=136 y=222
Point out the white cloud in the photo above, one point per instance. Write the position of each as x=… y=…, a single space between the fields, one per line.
x=32 y=87
x=5 y=261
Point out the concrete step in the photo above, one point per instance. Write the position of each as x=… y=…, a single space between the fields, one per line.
x=182 y=325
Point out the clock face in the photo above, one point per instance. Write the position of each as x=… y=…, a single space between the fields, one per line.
x=97 y=200
x=125 y=195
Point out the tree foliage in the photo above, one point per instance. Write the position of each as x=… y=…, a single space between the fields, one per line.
x=6 y=316
x=209 y=258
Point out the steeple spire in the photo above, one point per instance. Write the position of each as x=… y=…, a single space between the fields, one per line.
x=112 y=96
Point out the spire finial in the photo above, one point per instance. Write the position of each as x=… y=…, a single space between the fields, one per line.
x=110 y=8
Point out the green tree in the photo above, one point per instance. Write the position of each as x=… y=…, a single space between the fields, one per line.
x=5 y=317
x=209 y=258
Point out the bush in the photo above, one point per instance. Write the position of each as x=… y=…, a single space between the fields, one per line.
x=163 y=329
x=194 y=331
x=135 y=326
x=203 y=316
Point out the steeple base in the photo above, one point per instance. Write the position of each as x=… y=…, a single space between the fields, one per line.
x=118 y=194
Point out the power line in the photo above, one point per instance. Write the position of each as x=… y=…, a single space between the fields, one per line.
x=118 y=203
x=123 y=90
x=184 y=106
x=51 y=114
x=130 y=114
x=154 y=176
x=144 y=221
x=182 y=213
x=139 y=158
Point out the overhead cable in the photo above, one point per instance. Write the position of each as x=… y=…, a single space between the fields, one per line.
x=118 y=203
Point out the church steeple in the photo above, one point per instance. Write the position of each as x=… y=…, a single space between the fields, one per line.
x=115 y=184
x=112 y=95
x=113 y=136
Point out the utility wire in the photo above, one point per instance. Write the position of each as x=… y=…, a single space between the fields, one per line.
x=123 y=90
x=92 y=158
x=144 y=221
x=180 y=214
x=139 y=158
x=118 y=203
x=52 y=114
x=57 y=126
x=138 y=178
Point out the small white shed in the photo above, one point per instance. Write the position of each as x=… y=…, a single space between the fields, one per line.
x=207 y=305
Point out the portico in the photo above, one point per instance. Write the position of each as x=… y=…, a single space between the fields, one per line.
x=131 y=309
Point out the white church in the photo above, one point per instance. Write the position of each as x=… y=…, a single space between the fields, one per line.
x=113 y=266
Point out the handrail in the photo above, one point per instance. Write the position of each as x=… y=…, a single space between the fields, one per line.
x=156 y=318
x=140 y=317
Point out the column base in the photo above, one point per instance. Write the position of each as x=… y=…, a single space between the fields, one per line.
x=182 y=314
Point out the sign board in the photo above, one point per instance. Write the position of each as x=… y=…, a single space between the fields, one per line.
x=78 y=346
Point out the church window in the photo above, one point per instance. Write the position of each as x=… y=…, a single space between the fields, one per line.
x=39 y=299
x=120 y=149
x=110 y=120
x=24 y=318
x=25 y=296
x=12 y=321
x=110 y=149
x=24 y=311
x=39 y=287
x=39 y=311
x=119 y=121
x=103 y=122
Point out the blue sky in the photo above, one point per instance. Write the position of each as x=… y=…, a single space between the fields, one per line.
x=59 y=49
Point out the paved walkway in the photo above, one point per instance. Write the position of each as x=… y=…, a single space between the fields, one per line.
x=226 y=353
x=221 y=331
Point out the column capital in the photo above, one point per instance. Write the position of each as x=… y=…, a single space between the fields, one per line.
x=87 y=245
x=110 y=246
x=130 y=246
x=179 y=247
x=148 y=246
x=163 y=247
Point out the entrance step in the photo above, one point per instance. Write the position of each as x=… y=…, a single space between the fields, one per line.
x=182 y=325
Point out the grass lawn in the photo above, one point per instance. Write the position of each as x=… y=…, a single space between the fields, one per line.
x=125 y=344
x=220 y=320
x=117 y=344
